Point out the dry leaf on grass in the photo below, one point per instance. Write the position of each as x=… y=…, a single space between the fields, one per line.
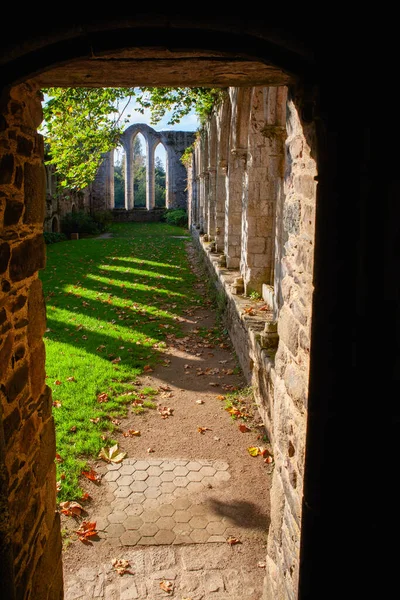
x=121 y=566
x=58 y=458
x=116 y=360
x=147 y=368
x=57 y=382
x=167 y=586
x=103 y=397
x=71 y=379
x=112 y=455
x=56 y=403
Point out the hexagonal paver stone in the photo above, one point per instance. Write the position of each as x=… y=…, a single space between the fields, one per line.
x=182 y=516
x=152 y=492
x=138 y=486
x=148 y=529
x=130 y=538
x=147 y=541
x=199 y=536
x=182 y=529
x=180 y=492
x=150 y=516
x=126 y=469
x=120 y=503
x=165 y=523
x=194 y=476
x=181 y=462
x=180 y=471
x=137 y=497
x=154 y=471
x=134 y=510
x=133 y=523
x=220 y=465
x=153 y=481
x=221 y=476
x=125 y=480
x=117 y=516
x=115 y=530
x=140 y=475
x=180 y=481
x=197 y=510
x=193 y=466
x=167 y=476
x=182 y=503
x=207 y=471
x=167 y=487
x=166 y=510
x=195 y=486
x=167 y=466
x=216 y=528
x=151 y=504
x=123 y=491
x=165 y=536
x=216 y=538
x=141 y=465
x=198 y=522
x=111 y=476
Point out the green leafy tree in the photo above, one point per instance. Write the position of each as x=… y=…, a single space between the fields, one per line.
x=160 y=183
x=81 y=124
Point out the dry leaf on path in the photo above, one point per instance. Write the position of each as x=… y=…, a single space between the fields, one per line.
x=165 y=411
x=71 y=509
x=150 y=450
x=232 y=541
x=112 y=454
x=92 y=475
x=244 y=428
x=199 y=401
x=86 y=530
x=121 y=566
x=203 y=429
x=167 y=586
x=131 y=433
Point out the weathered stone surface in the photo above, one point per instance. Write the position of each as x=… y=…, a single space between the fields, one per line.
x=35 y=193
x=27 y=258
x=6 y=349
x=16 y=303
x=11 y=424
x=6 y=169
x=24 y=146
x=47 y=581
x=18 y=381
x=13 y=212
x=36 y=313
x=4 y=256
x=46 y=453
x=37 y=369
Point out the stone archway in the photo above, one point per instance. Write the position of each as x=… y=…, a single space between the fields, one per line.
x=221 y=52
x=55 y=224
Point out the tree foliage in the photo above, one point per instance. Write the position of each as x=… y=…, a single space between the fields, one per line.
x=80 y=125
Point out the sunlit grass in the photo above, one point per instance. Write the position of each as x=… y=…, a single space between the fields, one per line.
x=105 y=323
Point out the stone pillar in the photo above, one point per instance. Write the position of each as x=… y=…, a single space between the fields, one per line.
x=220 y=200
x=233 y=207
x=29 y=525
x=150 y=196
x=129 y=199
x=263 y=185
x=211 y=196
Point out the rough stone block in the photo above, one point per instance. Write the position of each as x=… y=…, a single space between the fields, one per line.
x=6 y=169
x=36 y=313
x=13 y=212
x=4 y=256
x=17 y=382
x=46 y=452
x=35 y=193
x=27 y=258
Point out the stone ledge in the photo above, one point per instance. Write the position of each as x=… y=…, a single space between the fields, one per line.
x=257 y=362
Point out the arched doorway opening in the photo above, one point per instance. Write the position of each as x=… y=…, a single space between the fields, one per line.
x=119 y=164
x=160 y=176
x=55 y=224
x=139 y=170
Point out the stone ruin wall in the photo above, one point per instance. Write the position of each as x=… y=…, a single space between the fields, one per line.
x=255 y=229
x=30 y=538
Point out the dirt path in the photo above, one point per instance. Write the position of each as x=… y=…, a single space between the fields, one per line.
x=186 y=507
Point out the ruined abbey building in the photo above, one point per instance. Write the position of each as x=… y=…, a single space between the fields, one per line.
x=284 y=201
x=101 y=195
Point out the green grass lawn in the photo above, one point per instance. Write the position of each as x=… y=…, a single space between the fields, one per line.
x=110 y=304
